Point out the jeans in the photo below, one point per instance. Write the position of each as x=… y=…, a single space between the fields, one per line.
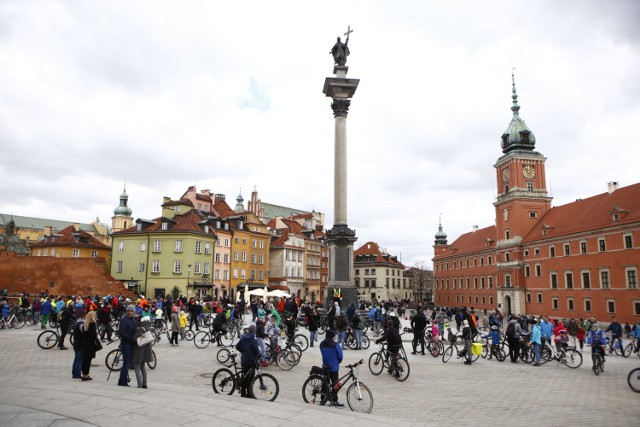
x=536 y=353
x=341 y=336
x=262 y=347
x=76 y=367
x=613 y=340
x=358 y=335
x=141 y=374
x=313 y=336
x=127 y=352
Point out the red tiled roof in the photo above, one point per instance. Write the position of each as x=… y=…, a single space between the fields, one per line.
x=223 y=209
x=178 y=202
x=592 y=213
x=70 y=237
x=372 y=248
x=475 y=241
x=180 y=223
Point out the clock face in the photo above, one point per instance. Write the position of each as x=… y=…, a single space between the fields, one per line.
x=505 y=175
x=528 y=171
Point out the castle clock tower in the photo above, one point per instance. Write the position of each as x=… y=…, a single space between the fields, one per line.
x=522 y=200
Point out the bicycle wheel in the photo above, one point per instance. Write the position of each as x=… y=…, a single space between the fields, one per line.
x=264 y=387
x=500 y=355
x=189 y=335
x=227 y=339
x=545 y=355
x=223 y=381
x=474 y=357
x=596 y=364
x=402 y=370
x=48 y=339
x=223 y=355
x=322 y=329
x=154 y=361
x=360 y=398
x=113 y=360
x=527 y=355
x=28 y=318
x=628 y=349
x=486 y=349
x=447 y=354
x=572 y=358
x=301 y=341
x=365 y=342
x=202 y=339
x=376 y=363
x=633 y=379
x=351 y=342
x=17 y=322
x=314 y=390
x=286 y=359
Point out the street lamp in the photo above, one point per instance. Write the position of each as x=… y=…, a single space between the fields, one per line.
x=188 y=278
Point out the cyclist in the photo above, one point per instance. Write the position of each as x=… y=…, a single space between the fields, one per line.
x=495 y=339
x=418 y=324
x=536 y=339
x=597 y=339
x=394 y=342
x=616 y=334
x=546 y=330
x=635 y=332
x=218 y=325
x=248 y=347
x=331 y=359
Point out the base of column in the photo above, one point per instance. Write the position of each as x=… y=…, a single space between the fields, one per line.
x=345 y=295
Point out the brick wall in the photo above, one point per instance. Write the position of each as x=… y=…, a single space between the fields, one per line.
x=59 y=276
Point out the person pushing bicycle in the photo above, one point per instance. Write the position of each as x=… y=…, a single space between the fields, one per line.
x=392 y=337
x=331 y=359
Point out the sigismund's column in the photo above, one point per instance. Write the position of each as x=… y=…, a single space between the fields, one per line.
x=340 y=238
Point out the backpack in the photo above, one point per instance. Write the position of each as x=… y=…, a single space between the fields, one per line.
x=511 y=330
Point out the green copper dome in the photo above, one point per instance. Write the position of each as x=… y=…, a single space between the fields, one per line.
x=123 y=209
x=518 y=136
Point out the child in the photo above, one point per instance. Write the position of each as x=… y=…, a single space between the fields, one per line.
x=435 y=332
x=562 y=340
x=495 y=339
x=183 y=324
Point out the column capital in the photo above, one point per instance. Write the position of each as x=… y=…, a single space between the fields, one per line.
x=341 y=235
x=340 y=107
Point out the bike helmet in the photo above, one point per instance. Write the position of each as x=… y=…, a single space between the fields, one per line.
x=494 y=328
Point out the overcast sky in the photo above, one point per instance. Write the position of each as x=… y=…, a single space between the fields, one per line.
x=228 y=96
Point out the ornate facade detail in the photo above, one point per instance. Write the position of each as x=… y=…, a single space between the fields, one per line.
x=341 y=235
x=340 y=107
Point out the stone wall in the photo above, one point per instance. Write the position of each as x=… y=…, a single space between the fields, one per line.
x=58 y=276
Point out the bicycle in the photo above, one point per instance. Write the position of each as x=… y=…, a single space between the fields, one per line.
x=350 y=340
x=222 y=337
x=396 y=364
x=489 y=351
x=568 y=356
x=631 y=347
x=114 y=360
x=448 y=352
x=262 y=386
x=284 y=353
x=633 y=379
x=15 y=320
x=49 y=338
x=598 y=360
x=318 y=390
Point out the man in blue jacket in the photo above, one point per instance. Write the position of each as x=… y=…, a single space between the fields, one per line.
x=248 y=347
x=616 y=334
x=126 y=331
x=331 y=358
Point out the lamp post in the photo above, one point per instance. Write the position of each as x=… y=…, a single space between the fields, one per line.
x=188 y=278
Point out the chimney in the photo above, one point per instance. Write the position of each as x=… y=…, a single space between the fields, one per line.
x=220 y=196
x=475 y=228
x=47 y=230
x=612 y=186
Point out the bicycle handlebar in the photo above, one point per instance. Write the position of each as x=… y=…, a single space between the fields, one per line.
x=356 y=364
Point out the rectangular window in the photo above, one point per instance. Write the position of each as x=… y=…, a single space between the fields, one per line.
x=261 y=244
x=226 y=243
x=554 y=280
x=528 y=297
x=539 y=298
x=225 y=275
x=260 y=273
x=253 y=258
x=119 y=267
x=490 y=282
x=467 y=281
x=143 y=247
x=207 y=248
x=244 y=257
x=482 y=282
x=141 y=267
x=583 y=247
x=507 y=281
x=235 y=273
x=217 y=257
x=602 y=245
x=570 y=304
x=178 y=245
x=198 y=246
x=75 y=253
x=121 y=247
x=538 y=270
x=568 y=276
x=177 y=266
x=206 y=268
x=254 y=243
x=587 y=304
x=243 y=273
x=226 y=258
x=216 y=274
x=611 y=306
x=244 y=240
x=604 y=279
x=554 y=303
x=236 y=256
x=94 y=254
x=636 y=308
x=567 y=249
x=157 y=246
x=628 y=241
x=196 y=268
x=155 y=267
x=260 y=259
x=552 y=251
x=586 y=280
x=475 y=283
x=165 y=226
x=632 y=278
x=490 y=299
x=536 y=251
x=527 y=271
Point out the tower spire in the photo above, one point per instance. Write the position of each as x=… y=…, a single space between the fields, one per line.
x=518 y=136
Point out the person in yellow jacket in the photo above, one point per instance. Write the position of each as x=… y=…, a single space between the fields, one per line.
x=183 y=324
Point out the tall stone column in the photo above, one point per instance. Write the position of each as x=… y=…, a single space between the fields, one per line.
x=340 y=238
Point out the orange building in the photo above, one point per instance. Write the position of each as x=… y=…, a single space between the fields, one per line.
x=576 y=260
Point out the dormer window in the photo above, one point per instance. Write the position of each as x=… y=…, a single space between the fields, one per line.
x=165 y=226
x=138 y=227
x=206 y=228
x=616 y=217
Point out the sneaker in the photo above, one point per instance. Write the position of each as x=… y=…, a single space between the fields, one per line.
x=413 y=352
x=263 y=363
x=337 y=404
x=467 y=362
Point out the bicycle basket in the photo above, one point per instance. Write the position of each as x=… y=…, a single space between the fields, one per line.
x=316 y=370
